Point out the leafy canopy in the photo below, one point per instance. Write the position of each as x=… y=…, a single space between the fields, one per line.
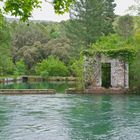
x=6 y=66
x=114 y=46
x=24 y=8
x=51 y=67
x=125 y=26
x=90 y=19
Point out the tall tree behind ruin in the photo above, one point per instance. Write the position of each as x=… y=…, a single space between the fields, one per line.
x=125 y=26
x=90 y=19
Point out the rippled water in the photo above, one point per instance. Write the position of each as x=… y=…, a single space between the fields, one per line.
x=70 y=117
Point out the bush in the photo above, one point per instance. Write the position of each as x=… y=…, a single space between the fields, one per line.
x=135 y=73
x=51 y=67
x=6 y=66
x=77 y=70
x=20 y=68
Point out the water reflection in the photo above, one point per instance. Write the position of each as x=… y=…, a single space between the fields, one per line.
x=69 y=117
x=58 y=86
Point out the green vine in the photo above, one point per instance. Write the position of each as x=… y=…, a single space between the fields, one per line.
x=126 y=53
x=114 y=46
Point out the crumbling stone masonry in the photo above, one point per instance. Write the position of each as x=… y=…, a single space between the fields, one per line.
x=93 y=71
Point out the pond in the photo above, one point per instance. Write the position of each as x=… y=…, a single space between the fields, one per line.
x=58 y=86
x=70 y=117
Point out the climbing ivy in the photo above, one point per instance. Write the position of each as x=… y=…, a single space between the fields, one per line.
x=113 y=47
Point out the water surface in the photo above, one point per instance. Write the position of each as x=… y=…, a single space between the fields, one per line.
x=58 y=86
x=70 y=117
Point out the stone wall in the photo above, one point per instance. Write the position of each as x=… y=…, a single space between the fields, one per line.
x=119 y=74
x=93 y=72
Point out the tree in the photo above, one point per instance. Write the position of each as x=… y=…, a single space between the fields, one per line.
x=24 y=8
x=24 y=38
x=6 y=65
x=135 y=74
x=90 y=19
x=30 y=54
x=135 y=8
x=38 y=41
x=125 y=26
x=77 y=70
x=59 y=47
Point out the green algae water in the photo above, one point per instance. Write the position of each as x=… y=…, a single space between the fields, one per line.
x=58 y=86
x=70 y=117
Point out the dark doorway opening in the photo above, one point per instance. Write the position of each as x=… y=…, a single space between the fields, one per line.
x=25 y=78
x=106 y=75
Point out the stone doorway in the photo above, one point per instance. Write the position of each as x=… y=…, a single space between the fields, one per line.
x=106 y=75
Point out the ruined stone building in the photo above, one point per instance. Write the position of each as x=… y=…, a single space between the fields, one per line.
x=103 y=71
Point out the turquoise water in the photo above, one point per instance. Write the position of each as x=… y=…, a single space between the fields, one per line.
x=70 y=117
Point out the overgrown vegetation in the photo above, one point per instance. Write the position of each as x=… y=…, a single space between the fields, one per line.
x=51 y=67
x=77 y=69
x=53 y=49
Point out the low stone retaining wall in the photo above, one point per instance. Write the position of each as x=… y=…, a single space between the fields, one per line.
x=57 y=78
x=97 y=91
x=9 y=79
x=106 y=91
x=27 y=91
x=40 y=79
x=74 y=91
x=36 y=79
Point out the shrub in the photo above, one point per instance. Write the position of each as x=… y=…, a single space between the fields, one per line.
x=135 y=73
x=6 y=66
x=77 y=70
x=51 y=67
x=20 y=68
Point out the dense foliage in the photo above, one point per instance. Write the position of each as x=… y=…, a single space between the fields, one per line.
x=114 y=46
x=90 y=19
x=6 y=65
x=77 y=69
x=20 y=68
x=51 y=67
x=125 y=26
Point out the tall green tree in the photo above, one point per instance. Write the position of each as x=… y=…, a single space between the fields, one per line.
x=25 y=37
x=59 y=47
x=90 y=19
x=125 y=26
x=6 y=66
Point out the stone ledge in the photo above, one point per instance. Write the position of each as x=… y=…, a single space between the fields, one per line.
x=97 y=90
x=10 y=79
x=27 y=91
x=74 y=91
x=106 y=91
x=51 y=78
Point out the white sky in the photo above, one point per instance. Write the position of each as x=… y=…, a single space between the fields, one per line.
x=47 y=12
